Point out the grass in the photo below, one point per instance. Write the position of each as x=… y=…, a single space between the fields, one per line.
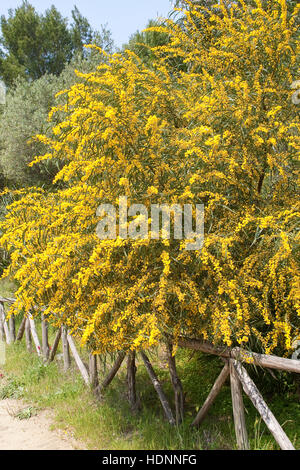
x=7 y=288
x=26 y=413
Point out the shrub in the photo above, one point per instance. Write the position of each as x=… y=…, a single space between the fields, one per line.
x=223 y=133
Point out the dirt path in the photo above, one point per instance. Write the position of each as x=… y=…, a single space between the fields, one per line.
x=30 y=434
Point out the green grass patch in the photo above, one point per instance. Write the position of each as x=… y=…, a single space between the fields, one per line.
x=26 y=413
x=7 y=288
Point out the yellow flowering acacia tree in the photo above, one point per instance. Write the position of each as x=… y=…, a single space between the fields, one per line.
x=220 y=130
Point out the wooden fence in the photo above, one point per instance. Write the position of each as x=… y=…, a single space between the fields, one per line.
x=233 y=368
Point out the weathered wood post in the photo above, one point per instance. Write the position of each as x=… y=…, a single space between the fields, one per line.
x=4 y=323
x=262 y=360
x=2 y=331
x=157 y=385
x=111 y=374
x=251 y=390
x=45 y=342
x=93 y=372
x=35 y=336
x=176 y=383
x=238 y=409
x=28 y=336
x=21 y=329
x=78 y=360
x=66 y=349
x=55 y=345
x=12 y=328
x=131 y=382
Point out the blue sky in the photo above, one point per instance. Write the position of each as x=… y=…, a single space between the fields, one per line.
x=123 y=17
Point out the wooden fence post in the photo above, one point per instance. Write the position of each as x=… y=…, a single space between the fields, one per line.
x=176 y=383
x=259 y=403
x=55 y=345
x=78 y=360
x=66 y=349
x=45 y=342
x=12 y=328
x=131 y=383
x=238 y=410
x=93 y=372
x=35 y=336
x=2 y=331
x=4 y=323
x=21 y=329
x=28 y=336
x=157 y=385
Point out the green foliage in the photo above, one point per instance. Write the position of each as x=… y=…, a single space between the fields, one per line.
x=81 y=32
x=13 y=388
x=34 y=45
x=25 y=115
x=38 y=57
x=141 y=43
x=26 y=413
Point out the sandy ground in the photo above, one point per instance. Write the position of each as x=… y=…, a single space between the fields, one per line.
x=30 y=434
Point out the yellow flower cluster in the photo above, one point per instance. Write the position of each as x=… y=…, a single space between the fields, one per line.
x=219 y=130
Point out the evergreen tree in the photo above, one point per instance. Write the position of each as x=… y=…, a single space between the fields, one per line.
x=35 y=44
